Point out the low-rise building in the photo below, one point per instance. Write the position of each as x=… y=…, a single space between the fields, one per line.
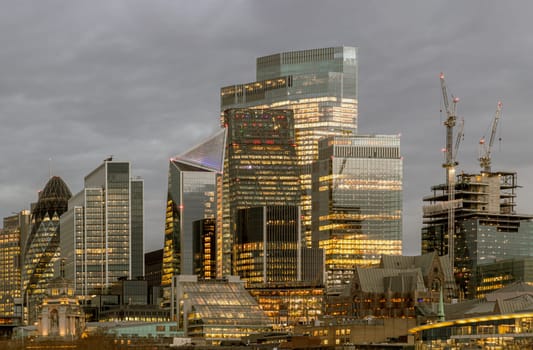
x=501 y=320
x=215 y=310
x=291 y=303
x=398 y=288
x=60 y=314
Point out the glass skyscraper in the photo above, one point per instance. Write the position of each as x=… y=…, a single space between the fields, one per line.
x=102 y=236
x=191 y=196
x=357 y=203
x=320 y=86
x=41 y=250
x=260 y=168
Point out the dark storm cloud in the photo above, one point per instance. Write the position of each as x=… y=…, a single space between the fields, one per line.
x=140 y=80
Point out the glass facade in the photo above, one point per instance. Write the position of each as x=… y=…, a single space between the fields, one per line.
x=260 y=168
x=41 y=251
x=493 y=276
x=15 y=227
x=319 y=86
x=100 y=230
x=205 y=248
x=217 y=310
x=290 y=304
x=191 y=196
x=479 y=243
x=267 y=246
x=137 y=227
x=357 y=203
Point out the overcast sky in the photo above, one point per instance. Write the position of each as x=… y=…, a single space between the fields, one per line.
x=140 y=80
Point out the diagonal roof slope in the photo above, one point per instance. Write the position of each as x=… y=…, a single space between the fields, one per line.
x=207 y=155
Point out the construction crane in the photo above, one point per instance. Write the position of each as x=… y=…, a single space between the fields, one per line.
x=450 y=164
x=485 y=149
x=458 y=139
x=449 y=123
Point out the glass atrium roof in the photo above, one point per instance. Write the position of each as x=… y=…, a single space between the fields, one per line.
x=224 y=303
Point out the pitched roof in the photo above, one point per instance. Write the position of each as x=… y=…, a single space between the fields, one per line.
x=423 y=262
x=378 y=280
x=521 y=303
x=510 y=291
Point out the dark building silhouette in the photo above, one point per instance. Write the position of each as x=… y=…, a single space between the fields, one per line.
x=153 y=264
x=205 y=248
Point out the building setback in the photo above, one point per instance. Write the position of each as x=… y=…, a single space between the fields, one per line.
x=102 y=239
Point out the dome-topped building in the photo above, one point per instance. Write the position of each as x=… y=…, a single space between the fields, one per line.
x=41 y=248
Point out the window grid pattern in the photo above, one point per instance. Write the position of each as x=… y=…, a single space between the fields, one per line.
x=260 y=167
x=320 y=86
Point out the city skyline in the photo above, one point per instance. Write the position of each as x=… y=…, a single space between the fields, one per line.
x=143 y=85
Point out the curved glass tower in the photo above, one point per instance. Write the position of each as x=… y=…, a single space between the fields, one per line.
x=42 y=245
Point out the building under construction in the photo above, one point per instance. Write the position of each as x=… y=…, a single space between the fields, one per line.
x=486 y=225
x=472 y=217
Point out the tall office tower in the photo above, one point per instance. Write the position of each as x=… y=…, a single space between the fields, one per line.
x=320 y=86
x=15 y=227
x=260 y=168
x=41 y=250
x=102 y=231
x=191 y=196
x=486 y=225
x=205 y=248
x=357 y=203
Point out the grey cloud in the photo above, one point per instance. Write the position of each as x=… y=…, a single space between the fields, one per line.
x=140 y=80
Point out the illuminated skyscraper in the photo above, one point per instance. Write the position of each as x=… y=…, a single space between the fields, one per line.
x=320 y=86
x=191 y=196
x=15 y=227
x=357 y=203
x=41 y=249
x=102 y=231
x=260 y=168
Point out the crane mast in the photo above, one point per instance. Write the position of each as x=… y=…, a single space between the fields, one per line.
x=450 y=164
x=485 y=158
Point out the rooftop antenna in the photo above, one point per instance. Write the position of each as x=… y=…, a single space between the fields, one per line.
x=49 y=168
